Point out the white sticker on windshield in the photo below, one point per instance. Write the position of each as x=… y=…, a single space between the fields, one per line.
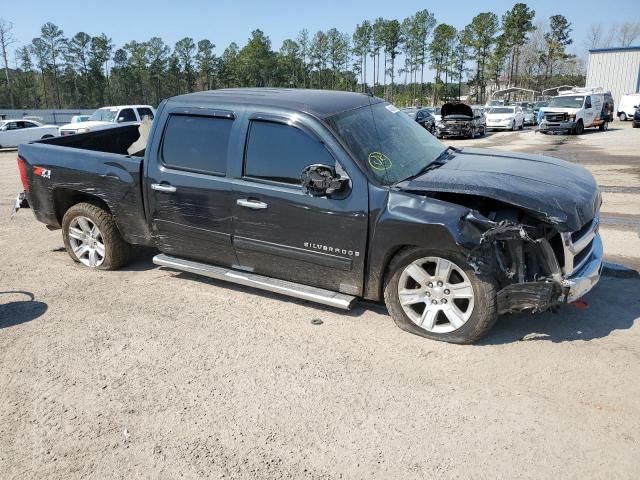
x=392 y=108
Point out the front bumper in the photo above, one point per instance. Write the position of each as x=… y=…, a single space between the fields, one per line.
x=506 y=124
x=557 y=126
x=453 y=131
x=583 y=280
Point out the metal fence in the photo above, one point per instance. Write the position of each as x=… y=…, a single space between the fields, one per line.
x=51 y=117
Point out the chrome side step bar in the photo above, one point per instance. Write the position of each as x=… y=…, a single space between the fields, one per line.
x=305 y=292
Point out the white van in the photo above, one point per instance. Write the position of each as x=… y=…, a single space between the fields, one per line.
x=576 y=109
x=626 y=107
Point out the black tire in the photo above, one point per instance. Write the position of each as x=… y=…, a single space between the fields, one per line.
x=635 y=125
x=513 y=125
x=604 y=126
x=483 y=131
x=117 y=251
x=579 y=129
x=622 y=117
x=472 y=134
x=483 y=316
x=521 y=127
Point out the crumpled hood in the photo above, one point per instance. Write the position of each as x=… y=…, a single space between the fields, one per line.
x=557 y=191
x=456 y=109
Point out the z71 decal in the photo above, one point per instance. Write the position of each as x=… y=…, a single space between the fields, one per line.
x=42 y=172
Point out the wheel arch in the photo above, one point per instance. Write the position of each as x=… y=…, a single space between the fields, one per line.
x=65 y=198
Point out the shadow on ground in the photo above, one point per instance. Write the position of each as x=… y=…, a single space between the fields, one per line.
x=613 y=304
x=15 y=312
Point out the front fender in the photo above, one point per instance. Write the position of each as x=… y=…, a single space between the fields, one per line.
x=409 y=220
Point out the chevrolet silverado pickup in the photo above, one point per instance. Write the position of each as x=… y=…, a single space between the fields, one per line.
x=328 y=197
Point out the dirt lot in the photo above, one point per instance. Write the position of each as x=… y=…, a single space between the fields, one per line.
x=154 y=374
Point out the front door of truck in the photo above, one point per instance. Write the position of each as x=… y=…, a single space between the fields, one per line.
x=282 y=232
x=189 y=195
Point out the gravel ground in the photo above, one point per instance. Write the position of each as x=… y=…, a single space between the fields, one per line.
x=147 y=373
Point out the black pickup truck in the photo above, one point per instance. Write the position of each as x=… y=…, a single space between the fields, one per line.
x=325 y=196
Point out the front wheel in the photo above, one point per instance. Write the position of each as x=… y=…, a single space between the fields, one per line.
x=622 y=117
x=579 y=128
x=438 y=295
x=91 y=237
x=513 y=125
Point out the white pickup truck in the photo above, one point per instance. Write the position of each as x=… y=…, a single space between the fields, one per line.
x=576 y=109
x=108 y=117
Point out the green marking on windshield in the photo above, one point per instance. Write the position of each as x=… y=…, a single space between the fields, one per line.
x=379 y=161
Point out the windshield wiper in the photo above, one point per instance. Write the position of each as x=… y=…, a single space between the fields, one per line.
x=437 y=162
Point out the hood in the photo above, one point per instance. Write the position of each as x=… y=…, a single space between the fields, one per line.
x=87 y=124
x=456 y=109
x=560 y=110
x=561 y=193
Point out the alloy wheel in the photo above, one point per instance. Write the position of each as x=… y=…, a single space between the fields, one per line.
x=436 y=294
x=86 y=241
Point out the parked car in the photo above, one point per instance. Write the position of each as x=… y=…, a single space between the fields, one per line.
x=460 y=120
x=636 y=117
x=627 y=106
x=529 y=116
x=573 y=111
x=537 y=110
x=424 y=118
x=16 y=132
x=109 y=117
x=325 y=196
x=436 y=112
x=505 y=117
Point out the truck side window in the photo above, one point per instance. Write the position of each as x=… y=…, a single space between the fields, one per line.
x=587 y=103
x=196 y=143
x=145 y=112
x=279 y=152
x=127 y=115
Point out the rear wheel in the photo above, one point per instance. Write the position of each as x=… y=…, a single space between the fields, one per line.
x=604 y=126
x=437 y=295
x=91 y=237
x=521 y=126
x=622 y=117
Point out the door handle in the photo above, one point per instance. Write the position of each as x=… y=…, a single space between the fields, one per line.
x=162 y=187
x=253 y=204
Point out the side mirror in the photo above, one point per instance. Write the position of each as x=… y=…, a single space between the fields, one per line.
x=319 y=180
x=120 y=119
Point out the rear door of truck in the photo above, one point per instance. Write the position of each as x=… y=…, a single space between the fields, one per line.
x=188 y=193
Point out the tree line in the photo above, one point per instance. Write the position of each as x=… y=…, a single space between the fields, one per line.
x=388 y=56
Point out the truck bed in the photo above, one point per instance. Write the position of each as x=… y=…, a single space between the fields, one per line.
x=95 y=166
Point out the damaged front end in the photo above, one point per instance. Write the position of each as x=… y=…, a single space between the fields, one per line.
x=536 y=266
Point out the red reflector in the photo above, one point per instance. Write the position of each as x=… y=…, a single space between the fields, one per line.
x=580 y=304
x=22 y=168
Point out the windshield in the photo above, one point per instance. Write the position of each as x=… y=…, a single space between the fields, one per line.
x=569 y=101
x=434 y=110
x=103 y=115
x=502 y=110
x=391 y=145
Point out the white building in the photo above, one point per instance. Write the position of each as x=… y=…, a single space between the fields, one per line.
x=614 y=69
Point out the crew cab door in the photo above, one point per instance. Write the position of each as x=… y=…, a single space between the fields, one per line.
x=188 y=193
x=284 y=233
